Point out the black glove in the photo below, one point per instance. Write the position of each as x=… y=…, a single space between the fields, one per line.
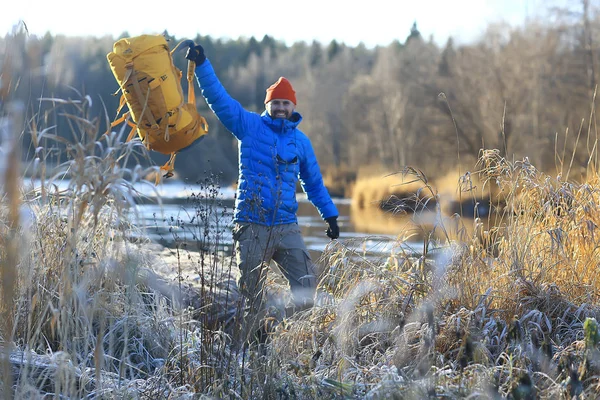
x=333 y=231
x=196 y=54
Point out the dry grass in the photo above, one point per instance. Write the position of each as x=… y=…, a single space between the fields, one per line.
x=397 y=192
x=339 y=180
x=498 y=313
x=494 y=318
x=88 y=314
x=462 y=191
x=505 y=310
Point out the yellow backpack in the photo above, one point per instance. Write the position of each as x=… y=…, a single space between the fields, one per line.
x=151 y=87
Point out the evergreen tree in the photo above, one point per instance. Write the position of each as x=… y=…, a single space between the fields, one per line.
x=414 y=33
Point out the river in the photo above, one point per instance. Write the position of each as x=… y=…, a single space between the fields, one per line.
x=200 y=217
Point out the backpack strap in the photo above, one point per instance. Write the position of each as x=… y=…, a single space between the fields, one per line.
x=122 y=102
x=168 y=167
x=125 y=117
x=190 y=78
x=138 y=91
x=119 y=120
x=190 y=70
x=132 y=133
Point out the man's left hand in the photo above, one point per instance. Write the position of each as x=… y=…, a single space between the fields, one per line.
x=196 y=54
x=333 y=231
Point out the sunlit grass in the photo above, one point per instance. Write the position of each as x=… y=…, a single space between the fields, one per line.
x=497 y=311
x=504 y=306
x=394 y=192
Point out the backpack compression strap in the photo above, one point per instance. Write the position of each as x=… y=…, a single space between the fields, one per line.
x=169 y=166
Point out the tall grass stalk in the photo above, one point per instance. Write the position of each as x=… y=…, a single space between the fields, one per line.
x=10 y=232
x=505 y=309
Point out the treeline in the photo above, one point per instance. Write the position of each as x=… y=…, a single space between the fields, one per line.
x=527 y=91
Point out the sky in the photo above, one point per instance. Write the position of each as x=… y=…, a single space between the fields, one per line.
x=371 y=22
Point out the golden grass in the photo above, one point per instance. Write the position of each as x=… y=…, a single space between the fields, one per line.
x=546 y=235
x=512 y=299
x=375 y=221
x=459 y=191
x=395 y=191
x=497 y=311
x=339 y=180
x=507 y=310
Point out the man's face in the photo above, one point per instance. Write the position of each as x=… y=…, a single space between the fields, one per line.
x=280 y=108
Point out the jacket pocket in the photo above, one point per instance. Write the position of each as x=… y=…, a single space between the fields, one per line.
x=288 y=164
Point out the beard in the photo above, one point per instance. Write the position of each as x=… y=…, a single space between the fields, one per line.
x=280 y=114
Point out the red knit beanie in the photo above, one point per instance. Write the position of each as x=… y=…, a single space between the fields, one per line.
x=282 y=89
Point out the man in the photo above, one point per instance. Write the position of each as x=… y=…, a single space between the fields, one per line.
x=273 y=155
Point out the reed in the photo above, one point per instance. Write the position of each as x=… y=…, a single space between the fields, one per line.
x=507 y=309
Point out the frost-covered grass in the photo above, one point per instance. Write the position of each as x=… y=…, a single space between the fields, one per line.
x=502 y=308
x=506 y=311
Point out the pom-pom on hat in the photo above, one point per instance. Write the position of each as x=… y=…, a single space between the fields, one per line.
x=282 y=89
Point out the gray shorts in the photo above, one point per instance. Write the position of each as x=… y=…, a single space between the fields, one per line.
x=256 y=245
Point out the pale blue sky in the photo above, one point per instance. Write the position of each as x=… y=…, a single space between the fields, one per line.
x=373 y=22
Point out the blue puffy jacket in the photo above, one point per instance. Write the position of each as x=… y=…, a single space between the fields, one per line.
x=273 y=155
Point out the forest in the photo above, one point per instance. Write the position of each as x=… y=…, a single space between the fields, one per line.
x=501 y=303
x=528 y=92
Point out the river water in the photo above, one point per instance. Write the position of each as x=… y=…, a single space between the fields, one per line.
x=200 y=217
